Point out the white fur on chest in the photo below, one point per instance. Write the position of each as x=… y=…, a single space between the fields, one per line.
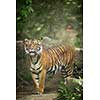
x=36 y=66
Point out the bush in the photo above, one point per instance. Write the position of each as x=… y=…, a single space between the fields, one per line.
x=73 y=90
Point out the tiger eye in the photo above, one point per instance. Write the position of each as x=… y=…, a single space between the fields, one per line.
x=38 y=48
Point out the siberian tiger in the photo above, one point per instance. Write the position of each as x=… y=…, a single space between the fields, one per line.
x=49 y=60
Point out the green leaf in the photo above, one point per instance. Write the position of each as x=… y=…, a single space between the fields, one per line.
x=18 y=18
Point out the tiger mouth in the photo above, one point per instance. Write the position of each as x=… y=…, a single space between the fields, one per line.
x=32 y=53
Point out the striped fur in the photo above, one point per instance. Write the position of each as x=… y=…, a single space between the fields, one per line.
x=51 y=60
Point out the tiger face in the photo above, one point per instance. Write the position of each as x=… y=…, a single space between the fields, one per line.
x=32 y=47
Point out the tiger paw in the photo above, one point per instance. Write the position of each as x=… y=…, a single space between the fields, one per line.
x=35 y=92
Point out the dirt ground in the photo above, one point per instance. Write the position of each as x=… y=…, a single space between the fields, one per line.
x=51 y=86
x=50 y=96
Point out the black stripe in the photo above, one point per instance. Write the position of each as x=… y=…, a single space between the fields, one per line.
x=55 y=69
x=60 y=47
x=34 y=63
x=38 y=57
x=50 y=69
x=65 y=76
x=51 y=56
x=37 y=73
x=59 y=68
x=59 y=50
x=38 y=68
x=37 y=78
x=34 y=72
x=57 y=55
x=70 y=74
x=68 y=70
x=32 y=68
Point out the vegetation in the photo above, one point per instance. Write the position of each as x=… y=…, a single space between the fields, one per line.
x=73 y=91
x=50 y=19
x=36 y=18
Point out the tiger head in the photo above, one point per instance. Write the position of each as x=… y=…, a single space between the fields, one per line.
x=32 y=47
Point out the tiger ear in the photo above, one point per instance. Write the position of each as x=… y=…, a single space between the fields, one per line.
x=25 y=40
x=40 y=40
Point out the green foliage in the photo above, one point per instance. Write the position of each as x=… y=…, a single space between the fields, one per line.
x=73 y=91
x=36 y=18
x=22 y=65
x=24 y=9
x=27 y=76
x=78 y=42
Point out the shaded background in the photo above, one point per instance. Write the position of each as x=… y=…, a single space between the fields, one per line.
x=55 y=21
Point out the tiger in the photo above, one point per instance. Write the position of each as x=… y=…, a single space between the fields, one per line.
x=48 y=60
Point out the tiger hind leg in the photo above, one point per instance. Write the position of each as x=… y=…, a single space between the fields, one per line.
x=67 y=73
x=64 y=75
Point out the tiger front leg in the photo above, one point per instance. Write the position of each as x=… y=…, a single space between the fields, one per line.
x=35 y=82
x=42 y=81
